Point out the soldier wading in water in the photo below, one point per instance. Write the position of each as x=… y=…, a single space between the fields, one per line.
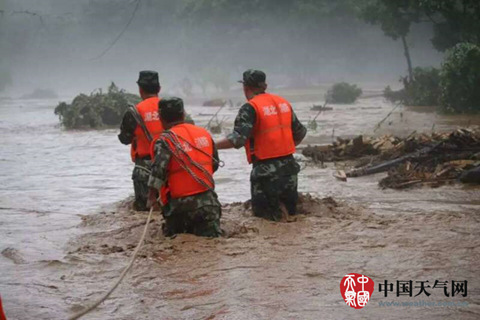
x=140 y=126
x=185 y=159
x=269 y=130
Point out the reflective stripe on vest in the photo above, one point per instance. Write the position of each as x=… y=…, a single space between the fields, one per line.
x=272 y=133
x=148 y=110
x=180 y=182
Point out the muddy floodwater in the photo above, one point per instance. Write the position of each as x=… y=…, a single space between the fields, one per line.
x=66 y=231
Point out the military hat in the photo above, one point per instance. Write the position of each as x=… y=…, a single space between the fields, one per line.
x=254 y=78
x=170 y=106
x=148 y=78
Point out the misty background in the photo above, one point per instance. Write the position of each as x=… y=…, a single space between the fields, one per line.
x=67 y=45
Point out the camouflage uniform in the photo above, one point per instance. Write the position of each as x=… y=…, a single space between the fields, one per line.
x=140 y=175
x=273 y=181
x=141 y=172
x=198 y=214
x=142 y=168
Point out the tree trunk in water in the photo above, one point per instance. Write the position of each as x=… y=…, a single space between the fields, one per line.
x=409 y=60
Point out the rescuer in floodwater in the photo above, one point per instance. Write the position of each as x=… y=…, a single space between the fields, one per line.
x=185 y=159
x=140 y=126
x=269 y=130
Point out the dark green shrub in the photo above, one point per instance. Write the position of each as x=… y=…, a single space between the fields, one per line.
x=423 y=90
x=460 y=79
x=96 y=110
x=343 y=93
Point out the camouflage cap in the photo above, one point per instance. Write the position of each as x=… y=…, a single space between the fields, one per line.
x=254 y=78
x=170 y=107
x=148 y=78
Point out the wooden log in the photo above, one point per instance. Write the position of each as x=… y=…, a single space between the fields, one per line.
x=391 y=163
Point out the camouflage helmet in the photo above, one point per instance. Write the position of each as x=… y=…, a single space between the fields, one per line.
x=148 y=78
x=171 y=108
x=254 y=78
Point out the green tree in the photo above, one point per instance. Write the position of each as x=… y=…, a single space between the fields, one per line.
x=460 y=79
x=395 y=18
x=454 y=21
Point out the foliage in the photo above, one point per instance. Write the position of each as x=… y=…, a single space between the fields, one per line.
x=394 y=17
x=460 y=79
x=453 y=21
x=343 y=92
x=422 y=90
x=97 y=109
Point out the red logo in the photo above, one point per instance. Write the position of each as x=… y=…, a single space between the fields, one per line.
x=356 y=290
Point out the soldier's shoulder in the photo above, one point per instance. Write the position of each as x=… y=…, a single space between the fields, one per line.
x=247 y=110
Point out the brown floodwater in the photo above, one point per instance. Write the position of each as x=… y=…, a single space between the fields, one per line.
x=64 y=238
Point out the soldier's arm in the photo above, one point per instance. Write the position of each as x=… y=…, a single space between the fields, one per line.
x=127 y=128
x=158 y=176
x=242 y=129
x=298 y=129
x=216 y=159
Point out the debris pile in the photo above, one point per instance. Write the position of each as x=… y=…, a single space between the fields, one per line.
x=423 y=159
x=454 y=155
x=349 y=149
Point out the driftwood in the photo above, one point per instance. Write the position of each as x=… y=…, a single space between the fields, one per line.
x=364 y=171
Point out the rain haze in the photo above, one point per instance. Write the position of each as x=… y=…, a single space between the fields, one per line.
x=355 y=164
x=77 y=46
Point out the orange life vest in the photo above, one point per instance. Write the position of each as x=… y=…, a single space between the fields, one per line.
x=272 y=133
x=2 y=315
x=148 y=110
x=197 y=143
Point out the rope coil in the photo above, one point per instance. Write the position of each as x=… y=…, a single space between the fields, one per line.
x=180 y=154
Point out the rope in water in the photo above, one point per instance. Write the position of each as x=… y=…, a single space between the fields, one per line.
x=124 y=273
x=177 y=153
